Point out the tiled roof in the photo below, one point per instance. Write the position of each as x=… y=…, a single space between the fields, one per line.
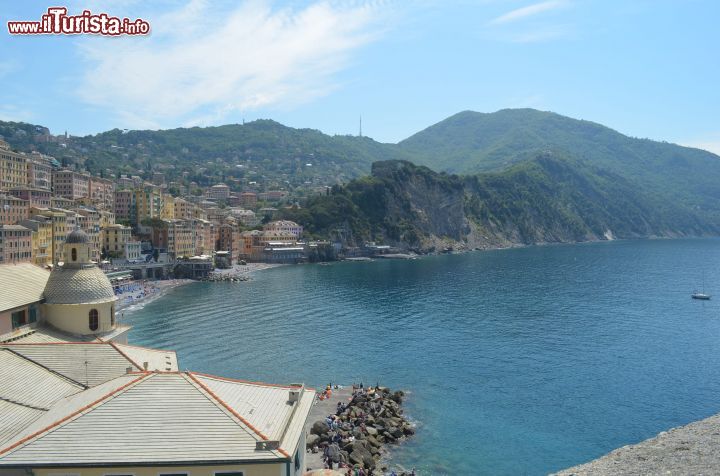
x=21 y=284
x=163 y=418
x=78 y=285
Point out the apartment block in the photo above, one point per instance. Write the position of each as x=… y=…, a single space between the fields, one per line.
x=15 y=244
x=70 y=184
x=12 y=209
x=41 y=229
x=35 y=197
x=13 y=168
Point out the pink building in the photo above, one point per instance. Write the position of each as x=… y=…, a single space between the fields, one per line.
x=70 y=184
x=15 y=244
x=12 y=209
x=34 y=197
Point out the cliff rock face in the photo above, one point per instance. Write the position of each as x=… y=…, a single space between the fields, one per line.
x=429 y=206
x=548 y=199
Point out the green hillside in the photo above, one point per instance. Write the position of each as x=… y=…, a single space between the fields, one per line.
x=546 y=199
x=261 y=151
x=472 y=142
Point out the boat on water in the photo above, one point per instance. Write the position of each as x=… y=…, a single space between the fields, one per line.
x=701 y=296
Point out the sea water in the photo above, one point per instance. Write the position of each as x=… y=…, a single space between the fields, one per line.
x=521 y=361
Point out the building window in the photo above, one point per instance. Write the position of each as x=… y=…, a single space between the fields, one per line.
x=112 y=315
x=18 y=319
x=73 y=252
x=93 y=319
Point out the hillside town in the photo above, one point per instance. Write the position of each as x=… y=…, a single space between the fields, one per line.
x=137 y=224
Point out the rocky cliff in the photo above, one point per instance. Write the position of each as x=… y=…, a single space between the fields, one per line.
x=549 y=199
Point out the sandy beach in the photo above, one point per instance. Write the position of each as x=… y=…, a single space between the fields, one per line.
x=145 y=291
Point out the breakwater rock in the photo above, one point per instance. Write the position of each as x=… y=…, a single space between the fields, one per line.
x=357 y=431
x=225 y=277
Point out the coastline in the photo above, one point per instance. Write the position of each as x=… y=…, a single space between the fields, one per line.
x=148 y=291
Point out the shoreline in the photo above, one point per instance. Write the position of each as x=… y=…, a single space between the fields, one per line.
x=355 y=427
x=148 y=291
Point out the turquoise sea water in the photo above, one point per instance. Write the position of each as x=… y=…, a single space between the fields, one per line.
x=518 y=361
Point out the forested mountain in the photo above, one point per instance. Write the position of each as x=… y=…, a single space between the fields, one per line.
x=527 y=177
x=547 y=199
x=473 y=142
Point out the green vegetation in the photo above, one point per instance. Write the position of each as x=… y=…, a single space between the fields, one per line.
x=265 y=152
x=472 y=142
x=550 y=198
x=530 y=177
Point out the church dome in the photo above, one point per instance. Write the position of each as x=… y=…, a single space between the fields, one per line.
x=84 y=285
x=77 y=236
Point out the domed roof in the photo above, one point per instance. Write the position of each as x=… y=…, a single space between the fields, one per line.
x=77 y=236
x=84 y=285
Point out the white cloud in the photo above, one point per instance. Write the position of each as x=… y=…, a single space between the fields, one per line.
x=201 y=63
x=529 y=11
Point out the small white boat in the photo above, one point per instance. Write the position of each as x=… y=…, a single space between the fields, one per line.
x=701 y=296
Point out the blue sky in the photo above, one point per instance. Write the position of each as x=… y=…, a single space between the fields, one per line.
x=646 y=68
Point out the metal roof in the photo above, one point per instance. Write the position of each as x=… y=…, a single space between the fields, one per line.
x=163 y=418
x=21 y=284
x=163 y=360
x=14 y=417
x=46 y=334
x=87 y=363
x=27 y=383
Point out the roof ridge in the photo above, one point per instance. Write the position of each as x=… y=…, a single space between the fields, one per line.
x=77 y=412
x=54 y=372
x=112 y=344
x=152 y=349
x=231 y=410
x=251 y=382
x=55 y=343
x=20 y=404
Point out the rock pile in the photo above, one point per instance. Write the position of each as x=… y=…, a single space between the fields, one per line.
x=356 y=433
x=225 y=277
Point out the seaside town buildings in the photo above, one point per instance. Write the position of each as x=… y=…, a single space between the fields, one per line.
x=77 y=399
x=127 y=218
x=15 y=244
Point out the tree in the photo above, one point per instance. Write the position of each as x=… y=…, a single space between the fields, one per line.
x=156 y=255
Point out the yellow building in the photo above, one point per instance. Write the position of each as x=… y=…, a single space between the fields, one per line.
x=59 y=229
x=13 y=168
x=115 y=238
x=149 y=203
x=41 y=228
x=168 y=207
x=183 y=209
x=180 y=239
